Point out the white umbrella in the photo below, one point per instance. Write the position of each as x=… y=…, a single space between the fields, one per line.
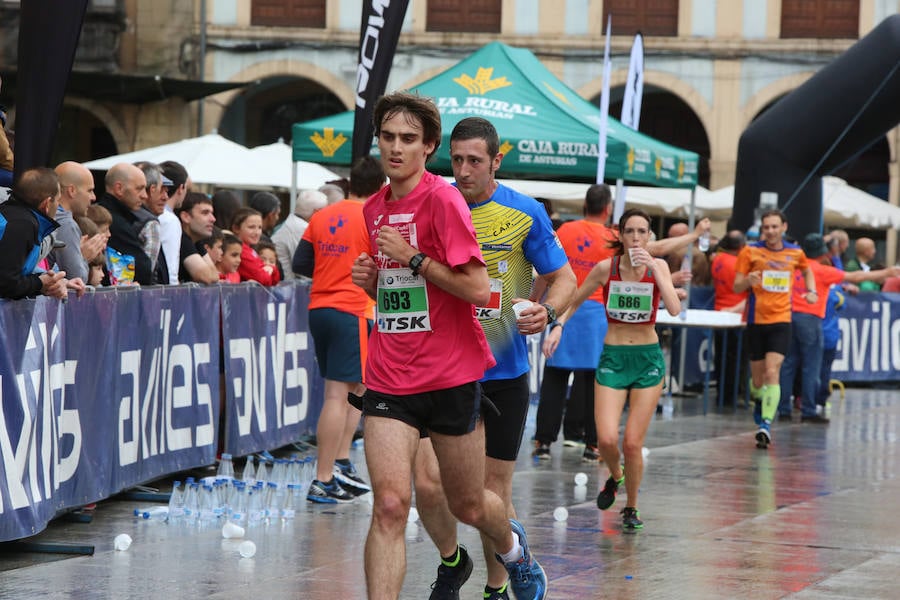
x=215 y=160
x=208 y=159
x=276 y=160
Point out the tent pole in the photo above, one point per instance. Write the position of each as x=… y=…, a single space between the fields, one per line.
x=687 y=288
x=293 y=186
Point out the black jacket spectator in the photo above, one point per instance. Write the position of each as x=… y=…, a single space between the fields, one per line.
x=21 y=230
x=124 y=237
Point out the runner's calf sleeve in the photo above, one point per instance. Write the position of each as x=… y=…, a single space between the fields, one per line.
x=771 y=396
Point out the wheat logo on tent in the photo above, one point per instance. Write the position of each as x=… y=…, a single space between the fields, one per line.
x=482 y=84
x=327 y=142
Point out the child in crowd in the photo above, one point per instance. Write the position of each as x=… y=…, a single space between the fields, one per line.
x=269 y=255
x=212 y=245
x=230 y=262
x=246 y=224
x=266 y=251
x=101 y=218
x=97 y=275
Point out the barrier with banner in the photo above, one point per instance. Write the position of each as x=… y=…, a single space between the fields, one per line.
x=102 y=393
x=868 y=352
x=121 y=387
x=273 y=393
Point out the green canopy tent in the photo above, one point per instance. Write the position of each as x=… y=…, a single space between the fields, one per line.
x=547 y=131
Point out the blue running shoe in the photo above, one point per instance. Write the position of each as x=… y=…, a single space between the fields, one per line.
x=526 y=577
x=764 y=435
x=757 y=412
x=327 y=493
x=349 y=478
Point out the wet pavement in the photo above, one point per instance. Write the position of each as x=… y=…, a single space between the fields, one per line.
x=817 y=515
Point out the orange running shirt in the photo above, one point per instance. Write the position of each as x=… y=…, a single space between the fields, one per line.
x=770 y=301
x=723 y=281
x=586 y=243
x=825 y=277
x=338 y=235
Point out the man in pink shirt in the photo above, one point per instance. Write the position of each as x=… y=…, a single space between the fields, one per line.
x=427 y=351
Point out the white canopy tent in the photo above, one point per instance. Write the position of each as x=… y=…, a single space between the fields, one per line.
x=672 y=202
x=279 y=155
x=844 y=206
x=215 y=160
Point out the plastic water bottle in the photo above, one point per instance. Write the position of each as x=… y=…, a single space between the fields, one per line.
x=249 y=474
x=702 y=243
x=238 y=514
x=152 y=512
x=279 y=472
x=176 y=503
x=262 y=473
x=191 y=502
x=668 y=408
x=275 y=495
x=292 y=500
x=226 y=468
x=207 y=505
x=308 y=472
x=255 y=507
x=294 y=468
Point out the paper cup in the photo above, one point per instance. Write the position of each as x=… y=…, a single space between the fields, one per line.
x=518 y=307
x=232 y=530
x=122 y=542
x=247 y=549
x=631 y=255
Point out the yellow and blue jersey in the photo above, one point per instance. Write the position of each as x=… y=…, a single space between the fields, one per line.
x=515 y=234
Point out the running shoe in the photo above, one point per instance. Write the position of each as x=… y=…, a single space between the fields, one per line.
x=349 y=478
x=631 y=518
x=591 y=454
x=327 y=493
x=764 y=435
x=573 y=443
x=451 y=579
x=607 y=495
x=526 y=577
x=541 y=451
x=757 y=412
x=498 y=594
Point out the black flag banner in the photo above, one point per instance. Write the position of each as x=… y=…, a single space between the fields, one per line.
x=378 y=36
x=48 y=36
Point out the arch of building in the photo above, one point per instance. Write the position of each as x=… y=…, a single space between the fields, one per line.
x=677 y=87
x=214 y=111
x=124 y=143
x=769 y=94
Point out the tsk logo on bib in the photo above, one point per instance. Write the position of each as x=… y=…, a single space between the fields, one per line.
x=402 y=302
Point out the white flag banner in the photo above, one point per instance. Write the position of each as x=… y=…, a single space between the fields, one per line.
x=631 y=110
x=604 y=105
x=634 y=87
